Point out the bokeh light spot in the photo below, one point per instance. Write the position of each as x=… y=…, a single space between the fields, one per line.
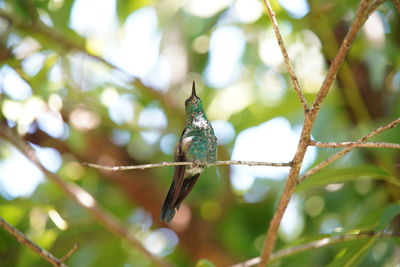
x=226 y=48
x=13 y=85
x=18 y=176
x=224 y=131
x=206 y=8
x=210 y=210
x=155 y=120
x=248 y=11
x=161 y=241
x=292 y=223
x=167 y=144
x=314 y=206
x=296 y=8
x=271 y=141
x=84 y=120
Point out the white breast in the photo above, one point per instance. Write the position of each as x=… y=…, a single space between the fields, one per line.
x=200 y=123
x=192 y=170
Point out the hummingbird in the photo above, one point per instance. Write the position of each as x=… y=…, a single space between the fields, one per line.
x=197 y=144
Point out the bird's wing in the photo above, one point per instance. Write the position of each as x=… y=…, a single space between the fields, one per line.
x=179 y=171
x=175 y=196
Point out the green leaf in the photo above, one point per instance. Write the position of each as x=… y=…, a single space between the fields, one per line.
x=60 y=15
x=125 y=8
x=353 y=253
x=204 y=263
x=388 y=214
x=334 y=176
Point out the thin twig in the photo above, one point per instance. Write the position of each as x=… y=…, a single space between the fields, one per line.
x=30 y=244
x=397 y=5
x=82 y=197
x=69 y=253
x=290 y=186
x=343 y=152
x=285 y=55
x=327 y=241
x=252 y=163
x=355 y=144
x=166 y=163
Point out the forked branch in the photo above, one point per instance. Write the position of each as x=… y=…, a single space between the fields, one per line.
x=270 y=240
x=30 y=244
x=343 y=152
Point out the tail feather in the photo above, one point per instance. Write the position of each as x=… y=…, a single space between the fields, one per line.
x=169 y=207
x=187 y=186
x=167 y=214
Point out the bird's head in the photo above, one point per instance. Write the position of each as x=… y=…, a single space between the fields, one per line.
x=193 y=103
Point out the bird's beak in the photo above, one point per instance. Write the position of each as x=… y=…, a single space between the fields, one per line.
x=193 y=91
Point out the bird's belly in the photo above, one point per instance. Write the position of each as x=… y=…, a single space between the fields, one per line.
x=193 y=170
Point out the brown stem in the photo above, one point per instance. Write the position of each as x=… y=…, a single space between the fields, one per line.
x=69 y=253
x=30 y=244
x=397 y=5
x=270 y=240
x=343 y=152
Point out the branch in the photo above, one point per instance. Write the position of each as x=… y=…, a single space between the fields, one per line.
x=82 y=197
x=69 y=253
x=30 y=244
x=371 y=9
x=290 y=186
x=343 y=152
x=252 y=163
x=397 y=5
x=355 y=144
x=163 y=164
x=327 y=241
x=285 y=55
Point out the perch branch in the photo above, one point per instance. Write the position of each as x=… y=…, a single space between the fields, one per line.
x=82 y=197
x=270 y=240
x=343 y=152
x=30 y=244
x=355 y=144
x=285 y=55
x=327 y=241
x=163 y=164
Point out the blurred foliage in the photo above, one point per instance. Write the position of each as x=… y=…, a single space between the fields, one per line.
x=64 y=86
